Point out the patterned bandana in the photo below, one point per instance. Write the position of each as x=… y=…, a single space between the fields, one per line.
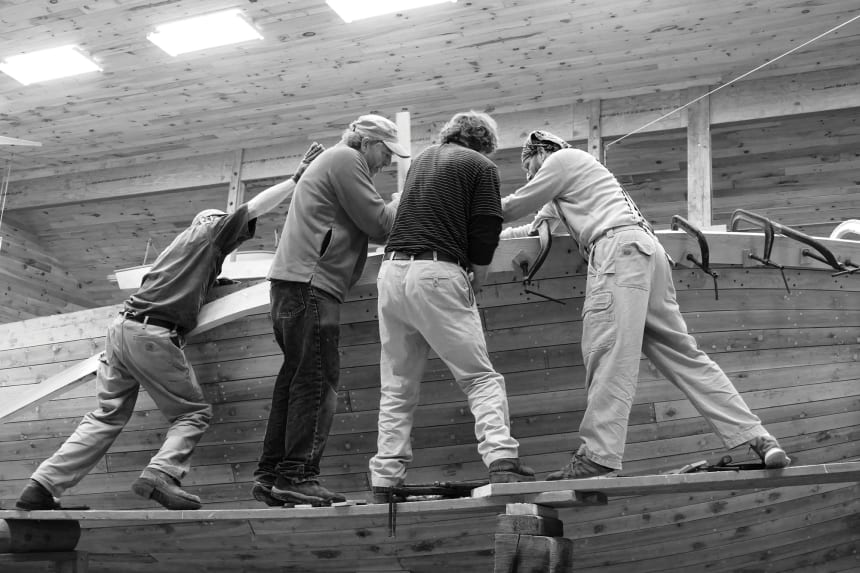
x=541 y=140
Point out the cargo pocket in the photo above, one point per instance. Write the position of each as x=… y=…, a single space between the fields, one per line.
x=633 y=265
x=598 y=322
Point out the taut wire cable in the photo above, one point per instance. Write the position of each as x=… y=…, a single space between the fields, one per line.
x=718 y=88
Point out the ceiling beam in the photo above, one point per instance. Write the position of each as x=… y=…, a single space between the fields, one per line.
x=750 y=100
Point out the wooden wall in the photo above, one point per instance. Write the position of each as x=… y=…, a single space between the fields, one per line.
x=754 y=331
x=33 y=281
x=795 y=357
x=799 y=170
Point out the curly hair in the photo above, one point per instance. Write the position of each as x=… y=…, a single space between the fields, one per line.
x=473 y=129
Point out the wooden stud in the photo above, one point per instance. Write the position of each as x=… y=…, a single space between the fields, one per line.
x=595 y=134
x=529 y=538
x=236 y=191
x=699 y=159
x=526 y=553
x=404 y=131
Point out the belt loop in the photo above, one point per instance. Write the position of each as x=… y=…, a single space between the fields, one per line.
x=435 y=257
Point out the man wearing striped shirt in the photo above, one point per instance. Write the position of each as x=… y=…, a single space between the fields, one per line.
x=437 y=256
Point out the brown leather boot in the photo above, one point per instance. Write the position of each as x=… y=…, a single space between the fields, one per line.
x=35 y=497
x=510 y=470
x=164 y=489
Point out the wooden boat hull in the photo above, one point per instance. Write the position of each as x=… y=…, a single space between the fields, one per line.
x=793 y=355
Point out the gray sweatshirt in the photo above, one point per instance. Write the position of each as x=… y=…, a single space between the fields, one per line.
x=335 y=209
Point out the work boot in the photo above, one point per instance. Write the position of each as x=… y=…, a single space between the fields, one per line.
x=262 y=492
x=580 y=467
x=35 y=497
x=510 y=470
x=164 y=489
x=304 y=491
x=769 y=451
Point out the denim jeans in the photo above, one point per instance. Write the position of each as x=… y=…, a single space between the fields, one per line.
x=306 y=321
x=630 y=308
x=426 y=305
x=135 y=355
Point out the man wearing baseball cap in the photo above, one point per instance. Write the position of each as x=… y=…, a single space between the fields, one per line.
x=630 y=308
x=321 y=255
x=143 y=347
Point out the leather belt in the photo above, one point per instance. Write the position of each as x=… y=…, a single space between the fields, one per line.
x=422 y=256
x=143 y=319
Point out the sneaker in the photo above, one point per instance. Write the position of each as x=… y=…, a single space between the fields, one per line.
x=580 y=467
x=510 y=470
x=35 y=497
x=304 y=491
x=262 y=492
x=769 y=451
x=164 y=489
x=385 y=494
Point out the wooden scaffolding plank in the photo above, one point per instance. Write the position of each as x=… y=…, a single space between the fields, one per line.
x=558 y=492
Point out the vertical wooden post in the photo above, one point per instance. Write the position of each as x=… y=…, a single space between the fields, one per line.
x=699 y=159
x=404 y=133
x=595 y=131
x=236 y=192
x=529 y=538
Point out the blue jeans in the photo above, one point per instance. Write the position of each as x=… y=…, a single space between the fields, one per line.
x=306 y=321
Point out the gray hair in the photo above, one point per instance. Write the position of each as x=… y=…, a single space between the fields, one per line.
x=352 y=139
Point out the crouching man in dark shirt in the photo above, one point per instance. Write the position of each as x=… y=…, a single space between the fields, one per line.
x=143 y=347
x=437 y=256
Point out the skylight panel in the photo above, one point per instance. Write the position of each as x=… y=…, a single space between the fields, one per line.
x=50 y=64
x=202 y=32
x=350 y=10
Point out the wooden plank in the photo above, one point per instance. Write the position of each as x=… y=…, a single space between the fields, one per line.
x=488 y=506
x=236 y=188
x=531 y=492
x=17 y=399
x=595 y=131
x=226 y=309
x=404 y=135
x=699 y=158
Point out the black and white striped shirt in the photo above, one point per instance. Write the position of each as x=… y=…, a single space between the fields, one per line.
x=451 y=204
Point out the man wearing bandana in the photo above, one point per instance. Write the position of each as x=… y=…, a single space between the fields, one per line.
x=630 y=308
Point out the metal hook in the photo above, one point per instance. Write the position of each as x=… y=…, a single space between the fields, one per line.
x=678 y=221
x=528 y=273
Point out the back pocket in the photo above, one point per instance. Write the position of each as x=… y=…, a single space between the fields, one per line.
x=633 y=265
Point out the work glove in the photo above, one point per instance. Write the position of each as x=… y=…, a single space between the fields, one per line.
x=312 y=153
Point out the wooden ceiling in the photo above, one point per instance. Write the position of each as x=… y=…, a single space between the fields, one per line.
x=313 y=73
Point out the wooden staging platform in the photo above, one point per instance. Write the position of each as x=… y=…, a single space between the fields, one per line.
x=521 y=519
